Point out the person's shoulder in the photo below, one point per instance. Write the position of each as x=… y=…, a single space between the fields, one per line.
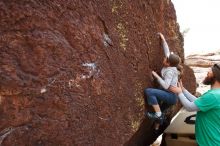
x=207 y=93
x=171 y=70
x=168 y=71
x=212 y=94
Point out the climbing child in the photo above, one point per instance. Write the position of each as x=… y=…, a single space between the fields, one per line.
x=170 y=74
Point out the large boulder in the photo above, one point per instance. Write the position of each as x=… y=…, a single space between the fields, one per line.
x=73 y=72
x=203 y=60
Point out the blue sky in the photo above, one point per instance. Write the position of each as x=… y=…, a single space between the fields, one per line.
x=202 y=17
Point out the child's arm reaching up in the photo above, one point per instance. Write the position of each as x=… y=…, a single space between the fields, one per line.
x=167 y=79
x=165 y=45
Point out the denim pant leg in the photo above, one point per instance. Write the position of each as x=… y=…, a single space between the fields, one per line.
x=155 y=95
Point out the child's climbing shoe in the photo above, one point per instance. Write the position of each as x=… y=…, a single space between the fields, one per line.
x=154 y=116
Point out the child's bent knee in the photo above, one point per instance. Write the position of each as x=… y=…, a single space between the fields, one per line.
x=148 y=91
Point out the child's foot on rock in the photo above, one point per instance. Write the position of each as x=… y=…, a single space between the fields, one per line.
x=154 y=116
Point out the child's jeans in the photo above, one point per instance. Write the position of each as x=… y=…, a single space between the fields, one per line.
x=156 y=96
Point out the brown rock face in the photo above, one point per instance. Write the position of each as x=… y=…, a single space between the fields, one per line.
x=73 y=72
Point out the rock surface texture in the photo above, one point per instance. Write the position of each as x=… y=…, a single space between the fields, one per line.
x=73 y=72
